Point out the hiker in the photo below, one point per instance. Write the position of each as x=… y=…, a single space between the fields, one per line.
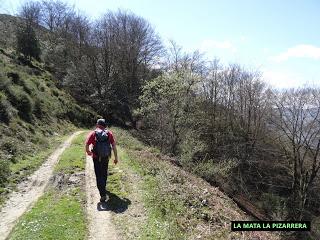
x=102 y=139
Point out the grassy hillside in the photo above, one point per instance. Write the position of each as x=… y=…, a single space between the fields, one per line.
x=34 y=115
x=166 y=202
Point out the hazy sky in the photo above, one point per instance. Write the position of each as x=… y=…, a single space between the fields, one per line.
x=281 y=38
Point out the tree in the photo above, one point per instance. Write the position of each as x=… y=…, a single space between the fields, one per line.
x=166 y=105
x=179 y=61
x=234 y=111
x=54 y=14
x=27 y=42
x=31 y=13
x=296 y=119
x=120 y=50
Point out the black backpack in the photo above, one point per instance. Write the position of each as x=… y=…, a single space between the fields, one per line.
x=102 y=148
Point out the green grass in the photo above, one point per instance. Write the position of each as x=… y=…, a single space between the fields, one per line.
x=175 y=204
x=116 y=181
x=59 y=214
x=27 y=164
x=53 y=217
x=73 y=158
x=162 y=210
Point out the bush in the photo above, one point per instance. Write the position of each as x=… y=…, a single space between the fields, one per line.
x=9 y=146
x=55 y=92
x=22 y=102
x=76 y=114
x=5 y=83
x=27 y=42
x=28 y=86
x=214 y=170
x=6 y=110
x=275 y=205
x=4 y=171
x=36 y=72
x=42 y=88
x=25 y=107
x=40 y=108
x=33 y=70
x=15 y=77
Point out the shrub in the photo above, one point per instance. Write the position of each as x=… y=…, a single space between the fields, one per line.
x=274 y=205
x=25 y=107
x=33 y=70
x=213 y=169
x=14 y=76
x=42 y=88
x=6 y=110
x=40 y=108
x=5 y=83
x=4 y=171
x=22 y=102
x=36 y=72
x=9 y=146
x=27 y=86
x=55 y=92
x=27 y=42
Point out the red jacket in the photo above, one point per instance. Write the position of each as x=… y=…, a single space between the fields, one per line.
x=91 y=139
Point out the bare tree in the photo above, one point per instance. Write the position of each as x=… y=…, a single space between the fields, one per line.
x=80 y=29
x=129 y=48
x=296 y=117
x=31 y=12
x=54 y=14
x=179 y=61
x=120 y=50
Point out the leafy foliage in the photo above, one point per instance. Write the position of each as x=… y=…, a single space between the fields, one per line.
x=166 y=104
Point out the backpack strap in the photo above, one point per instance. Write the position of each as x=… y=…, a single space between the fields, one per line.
x=106 y=131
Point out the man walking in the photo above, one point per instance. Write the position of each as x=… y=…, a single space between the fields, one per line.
x=103 y=142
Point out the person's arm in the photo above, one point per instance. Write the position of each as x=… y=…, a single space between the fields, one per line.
x=89 y=141
x=115 y=152
x=88 y=151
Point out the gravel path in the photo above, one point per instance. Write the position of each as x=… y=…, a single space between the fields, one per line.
x=100 y=225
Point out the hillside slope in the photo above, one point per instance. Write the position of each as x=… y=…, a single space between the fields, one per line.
x=33 y=110
x=158 y=200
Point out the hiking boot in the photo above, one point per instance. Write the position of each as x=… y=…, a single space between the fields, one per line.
x=103 y=199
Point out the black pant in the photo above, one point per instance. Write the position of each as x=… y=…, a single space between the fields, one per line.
x=101 y=171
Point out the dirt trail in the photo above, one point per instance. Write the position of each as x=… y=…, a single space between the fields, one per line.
x=29 y=191
x=100 y=225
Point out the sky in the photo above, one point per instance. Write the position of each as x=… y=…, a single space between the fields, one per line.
x=280 y=38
